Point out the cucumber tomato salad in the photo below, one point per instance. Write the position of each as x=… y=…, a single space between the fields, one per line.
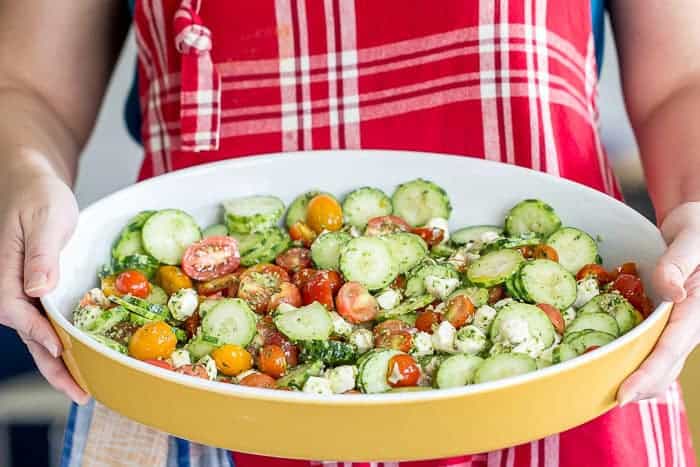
x=369 y=295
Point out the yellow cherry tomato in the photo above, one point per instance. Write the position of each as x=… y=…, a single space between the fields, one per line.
x=152 y=340
x=109 y=286
x=324 y=213
x=172 y=279
x=232 y=359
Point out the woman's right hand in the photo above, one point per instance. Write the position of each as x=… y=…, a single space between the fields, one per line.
x=38 y=212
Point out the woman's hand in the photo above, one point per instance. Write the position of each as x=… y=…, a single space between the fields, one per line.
x=677 y=279
x=37 y=215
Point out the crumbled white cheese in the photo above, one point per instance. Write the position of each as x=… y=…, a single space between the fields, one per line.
x=84 y=317
x=483 y=317
x=97 y=297
x=340 y=326
x=569 y=315
x=354 y=232
x=429 y=365
x=342 y=378
x=180 y=357
x=444 y=337
x=388 y=299
x=210 y=366
x=318 y=385
x=532 y=347
x=442 y=224
x=440 y=287
x=459 y=259
x=514 y=331
x=586 y=289
x=183 y=303
x=363 y=339
x=471 y=340
x=503 y=302
x=422 y=344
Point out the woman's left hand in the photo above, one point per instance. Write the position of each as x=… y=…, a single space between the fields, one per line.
x=677 y=279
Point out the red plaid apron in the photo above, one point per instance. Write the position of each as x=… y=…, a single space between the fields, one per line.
x=506 y=80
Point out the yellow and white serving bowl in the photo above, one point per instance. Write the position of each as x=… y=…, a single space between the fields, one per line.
x=363 y=427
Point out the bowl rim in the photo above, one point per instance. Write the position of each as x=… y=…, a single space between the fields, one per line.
x=299 y=397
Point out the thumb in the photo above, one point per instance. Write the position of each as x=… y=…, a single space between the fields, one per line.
x=677 y=264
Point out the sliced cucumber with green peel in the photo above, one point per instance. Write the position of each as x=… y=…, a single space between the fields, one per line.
x=231 y=321
x=372 y=372
x=457 y=370
x=297 y=210
x=215 y=230
x=420 y=200
x=143 y=263
x=250 y=242
x=538 y=323
x=530 y=239
x=587 y=340
x=311 y=322
x=594 y=322
x=617 y=306
x=415 y=285
x=545 y=281
x=407 y=306
x=532 y=215
x=108 y=318
x=141 y=307
x=129 y=243
x=252 y=213
x=563 y=353
x=477 y=295
x=368 y=260
x=297 y=376
x=274 y=241
x=167 y=234
x=574 y=247
x=494 y=268
x=407 y=249
x=325 y=250
x=110 y=343
x=504 y=365
x=157 y=296
x=474 y=234
x=442 y=250
x=364 y=204
x=202 y=345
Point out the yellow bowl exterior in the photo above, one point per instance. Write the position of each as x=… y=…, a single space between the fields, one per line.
x=467 y=423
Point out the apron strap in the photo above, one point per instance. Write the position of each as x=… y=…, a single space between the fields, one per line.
x=200 y=83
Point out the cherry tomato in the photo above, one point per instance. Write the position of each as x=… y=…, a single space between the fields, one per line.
x=384 y=225
x=172 y=279
x=642 y=304
x=624 y=268
x=152 y=341
x=356 y=304
x=403 y=371
x=335 y=280
x=399 y=283
x=554 y=316
x=258 y=380
x=427 y=321
x=301 y=276
x=211 y=257
x=352 y=391
x=219 y=284
x=591 y=348
x=257 y=288
x=134 y=283
x=432 y=235
x=272 y=360
x=232 y=359
x=594 y=270
x=495 y=294
x=460 y=311
x=318 y=288
x=527 y=251
x=294 y=259
x=160 y=363
x=400 y=340
x=288 y=293
x=545 y=252
x=108 y=284
x=324 y=213
x=291 y=351
x=300 y=232
x=390 y=326
x=266 y=268
x=191 y=324
x=629 y=286
x=198 y=370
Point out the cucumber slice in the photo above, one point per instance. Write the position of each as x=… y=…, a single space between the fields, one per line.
x=475 y=234
x=457 y=370
x=372 y=373
x=107 y=342
x=420 y=200
x=407 y=306
x=513 y=290
x=202 y=345
x=129 y=243
x=296 y=378
x=478 y=296
x=542 y=363
x=538 y=324
x=575 y=248
x=141 y=307
x=415 y=285
x=442 y=250
x=157 y=296
x=252 y=213
x=325 y=250
x=276 y=241
x=216 y=230
x=109 y=318
x=312 y=322
x=297 y=210
x=546 y=281
x=144 y=263
x=504 y=365
x=616 y=306
x=407 y=249
x=573 y=335
x=368 y=260
x=494 y=268
x=364 y=204
x=594 y=338
x=529 y=239
x=594 y=322
x=167 y=234
x=409 y=318
x=563 y=353
x=231 y=321
x=249 y=242
x=331 y=353
x=532 y=215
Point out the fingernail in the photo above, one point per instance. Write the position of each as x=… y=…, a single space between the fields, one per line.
x=52 y=348
x=627 y=398
x=37 y=282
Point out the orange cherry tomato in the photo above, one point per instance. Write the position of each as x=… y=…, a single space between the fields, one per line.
x=495 y=294
x=211 y=257
x=460 y=311
x=629 y=286
x=399 y=340
x=133 y=282
x=403 y=371
x=258 y=380
x=172 y=279
x=160 y=363
x=427 y=321
x=291 y=351
x=294 y=259
x=272 y=360
x=300 y=232
x=356 y=304
x=152 y=341
x=545 y=252
x=318 y=288
x=197 y=370
x=431 y=235
x=384 y=225
x=554 y=316
x=288 y=293
x=301 y=276
x=232 y=359
x=324 y=213
x=527 y=251
x=594 y=270
x=219 y=284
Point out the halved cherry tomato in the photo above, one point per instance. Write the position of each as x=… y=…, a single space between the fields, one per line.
x=300 y=232
x=318 y=288
x=335 y=279
x=352 y=391
x=160 y=363
x=591 y=348
x=294 y=259
x=403 y=371
x=324 y=213
x=384 y=225
x=431 y=235
x=291 y=351
x=288 y=293
x=495 y=294
x=399 y=283
x=554 y=316
x=545 y=252
x=527 y=251
x=198 y=370
x=258 y=380
x=643 y=304
x=152 y=341
x=629 y=286
x=218 y=284
x=266 y=268
x=232 y=359
x=624 y=268
x=133 y=282
x=191 y=324
x=356 y=304
x=272 y=360
x=301 y=276
x=594 y=270
x=427 y=321
x=211 y=257
x=258 y=287
x=460 y=311
x=390 y=326
x=399 y=340
x=172 y=279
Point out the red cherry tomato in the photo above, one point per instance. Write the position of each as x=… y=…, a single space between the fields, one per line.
x=318 y=288
x=495 y=294
x=545 y=252
x=431 y=235
x=301 y=276
x=356 y=304
x=629 y=286
x=211 y=257
x=591 y=348
x=134 y=283
x=291 y=351
x=403 y=371
x=527 y=251
x=191 y=324
x=335 y=280
x=266 y=268
x=160 y=363
x=594 y=270
x=384 y=225
x=427 y=321
x=399 y=283
x=294 y=259
x=196 y=370
x=399 y=340
x=460 y=311
x=257 y=288
x=624 y=268
x=390 y=326
x=554 y=316
x=288 y=293
x=642 y=303
x=258 y=380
